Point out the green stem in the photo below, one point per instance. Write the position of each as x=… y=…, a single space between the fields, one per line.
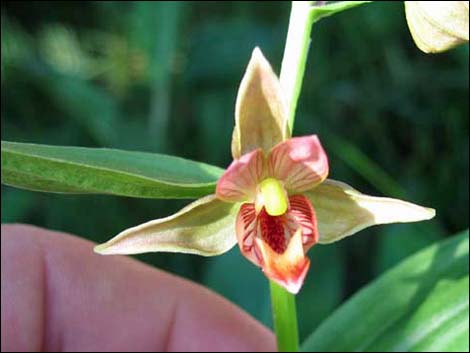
x=295 y=54
x=292 y=73
x=303 y=15
x=285 y=319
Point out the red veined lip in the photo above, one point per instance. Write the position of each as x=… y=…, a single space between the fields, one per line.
x=278 y=244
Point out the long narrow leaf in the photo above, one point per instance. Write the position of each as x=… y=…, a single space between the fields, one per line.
x=104 y=171
x=419 y=305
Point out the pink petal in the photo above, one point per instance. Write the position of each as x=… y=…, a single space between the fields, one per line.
x=240 y=180
x=300 y=162
x=246 y=229
x=302 y=212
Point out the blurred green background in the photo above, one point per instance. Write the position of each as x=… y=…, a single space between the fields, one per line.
x=163 y=77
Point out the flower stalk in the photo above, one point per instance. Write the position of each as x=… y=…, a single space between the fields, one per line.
x=295 y=55
x=284 y=318
x=291 y=77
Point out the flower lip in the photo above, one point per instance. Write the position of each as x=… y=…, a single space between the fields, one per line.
x=278 y=243
x=289 y=268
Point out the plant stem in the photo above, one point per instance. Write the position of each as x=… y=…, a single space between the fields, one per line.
x=292 y=73
x=285 y=318
x=295 y=54
x=303 y=15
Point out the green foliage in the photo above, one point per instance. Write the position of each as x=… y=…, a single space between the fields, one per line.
x=419 y=305
x=91 y=170
x=323 y=289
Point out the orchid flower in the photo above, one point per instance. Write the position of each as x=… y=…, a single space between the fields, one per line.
x=273 y=199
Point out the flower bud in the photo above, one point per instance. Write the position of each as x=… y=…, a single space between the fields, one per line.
x=437 y=26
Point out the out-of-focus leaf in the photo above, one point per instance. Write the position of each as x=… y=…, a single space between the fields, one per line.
x=105 y=171
x=153 y=34
x=352 y=156
x=61 y=49
x=323 y=288
x=15 y=44
x=419 y=305
x=88 y=105
x=233 y=46
x=16 y=204
x=397 y=242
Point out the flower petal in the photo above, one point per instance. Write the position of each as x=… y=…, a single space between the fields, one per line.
x=204 y=227
x=289 y=268
x=342 y=211
x=240 y=180
x=260 y=111
x=302 y=212
x=437 y=26
x=246 y=229
x=300 y=162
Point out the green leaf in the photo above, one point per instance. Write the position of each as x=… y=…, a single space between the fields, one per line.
x=104 y=171
x=327 y=262
x=357 y=160
x=397 y=242
x=204 y=227
x=419 y=305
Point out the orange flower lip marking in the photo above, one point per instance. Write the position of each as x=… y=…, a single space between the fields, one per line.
x=289 y=268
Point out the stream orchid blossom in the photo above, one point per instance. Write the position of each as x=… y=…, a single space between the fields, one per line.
x=274 y=198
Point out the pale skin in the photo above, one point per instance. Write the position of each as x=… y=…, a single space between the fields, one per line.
x=57 y=295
